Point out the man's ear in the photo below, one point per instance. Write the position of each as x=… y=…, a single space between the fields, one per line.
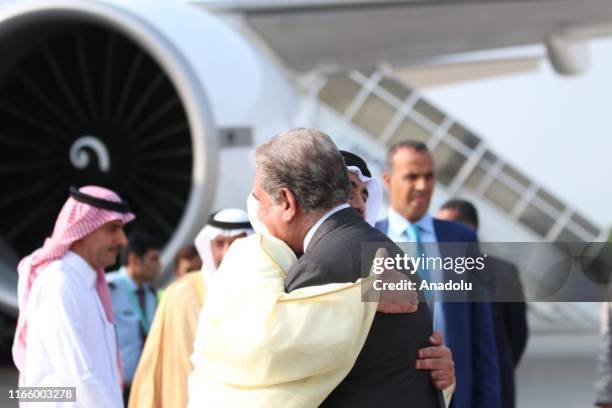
x=289 y=204
x=387 y=178
x=132 y=259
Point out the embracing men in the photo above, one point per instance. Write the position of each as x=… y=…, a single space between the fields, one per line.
x=299 y=209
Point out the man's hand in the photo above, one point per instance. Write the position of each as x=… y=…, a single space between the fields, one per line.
x=394 y=300
x=439 y=360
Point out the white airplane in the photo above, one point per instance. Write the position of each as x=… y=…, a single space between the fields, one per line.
x=163 y=100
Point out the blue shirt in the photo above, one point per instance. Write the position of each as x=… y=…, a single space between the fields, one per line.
x=127 y=318
x=398 y=231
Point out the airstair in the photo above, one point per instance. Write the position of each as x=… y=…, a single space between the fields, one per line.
x=368 y=111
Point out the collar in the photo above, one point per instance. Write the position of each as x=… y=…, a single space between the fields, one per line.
x=398 y=224
x=126 y=277
x=426 y=223
x=316 y=226
x=80 y=265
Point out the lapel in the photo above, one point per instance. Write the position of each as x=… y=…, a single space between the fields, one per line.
x=383 y=226
x=449 y=243
x=335 y=221
x=441 y=237
x=455 y=313
x=440 y=230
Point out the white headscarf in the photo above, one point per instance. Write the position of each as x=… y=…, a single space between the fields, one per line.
x=375 y=195
x=224 y=223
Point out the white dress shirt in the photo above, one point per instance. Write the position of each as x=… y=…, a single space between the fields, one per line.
x=70 y=343
x=317 y=224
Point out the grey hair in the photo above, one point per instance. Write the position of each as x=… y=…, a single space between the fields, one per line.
x=307 y=162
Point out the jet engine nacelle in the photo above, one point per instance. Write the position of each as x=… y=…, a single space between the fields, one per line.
x=128 y=95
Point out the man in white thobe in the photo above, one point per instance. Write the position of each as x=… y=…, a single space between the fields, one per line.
x=65 y=335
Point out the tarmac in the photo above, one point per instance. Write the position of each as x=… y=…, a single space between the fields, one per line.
x=557 y=370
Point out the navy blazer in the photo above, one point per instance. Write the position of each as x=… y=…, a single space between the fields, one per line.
x=469 y=334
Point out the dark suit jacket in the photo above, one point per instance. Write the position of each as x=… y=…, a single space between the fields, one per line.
x=384 y=374
x=469 y=332
x=510 y=322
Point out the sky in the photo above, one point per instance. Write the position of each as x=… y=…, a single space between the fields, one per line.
x=556 y=129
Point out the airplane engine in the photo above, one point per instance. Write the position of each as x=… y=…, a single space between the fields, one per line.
x=128 y=95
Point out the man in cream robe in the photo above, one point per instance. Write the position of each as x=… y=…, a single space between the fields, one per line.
x=258 y=346
x=161 y=376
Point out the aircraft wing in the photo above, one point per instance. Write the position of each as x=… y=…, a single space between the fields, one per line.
x=339 y=34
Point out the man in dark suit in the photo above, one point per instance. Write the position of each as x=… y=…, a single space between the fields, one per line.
x=509 y=316
x=467 y=326
x=302 y=188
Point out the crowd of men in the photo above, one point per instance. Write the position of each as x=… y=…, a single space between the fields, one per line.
x=267 y=307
